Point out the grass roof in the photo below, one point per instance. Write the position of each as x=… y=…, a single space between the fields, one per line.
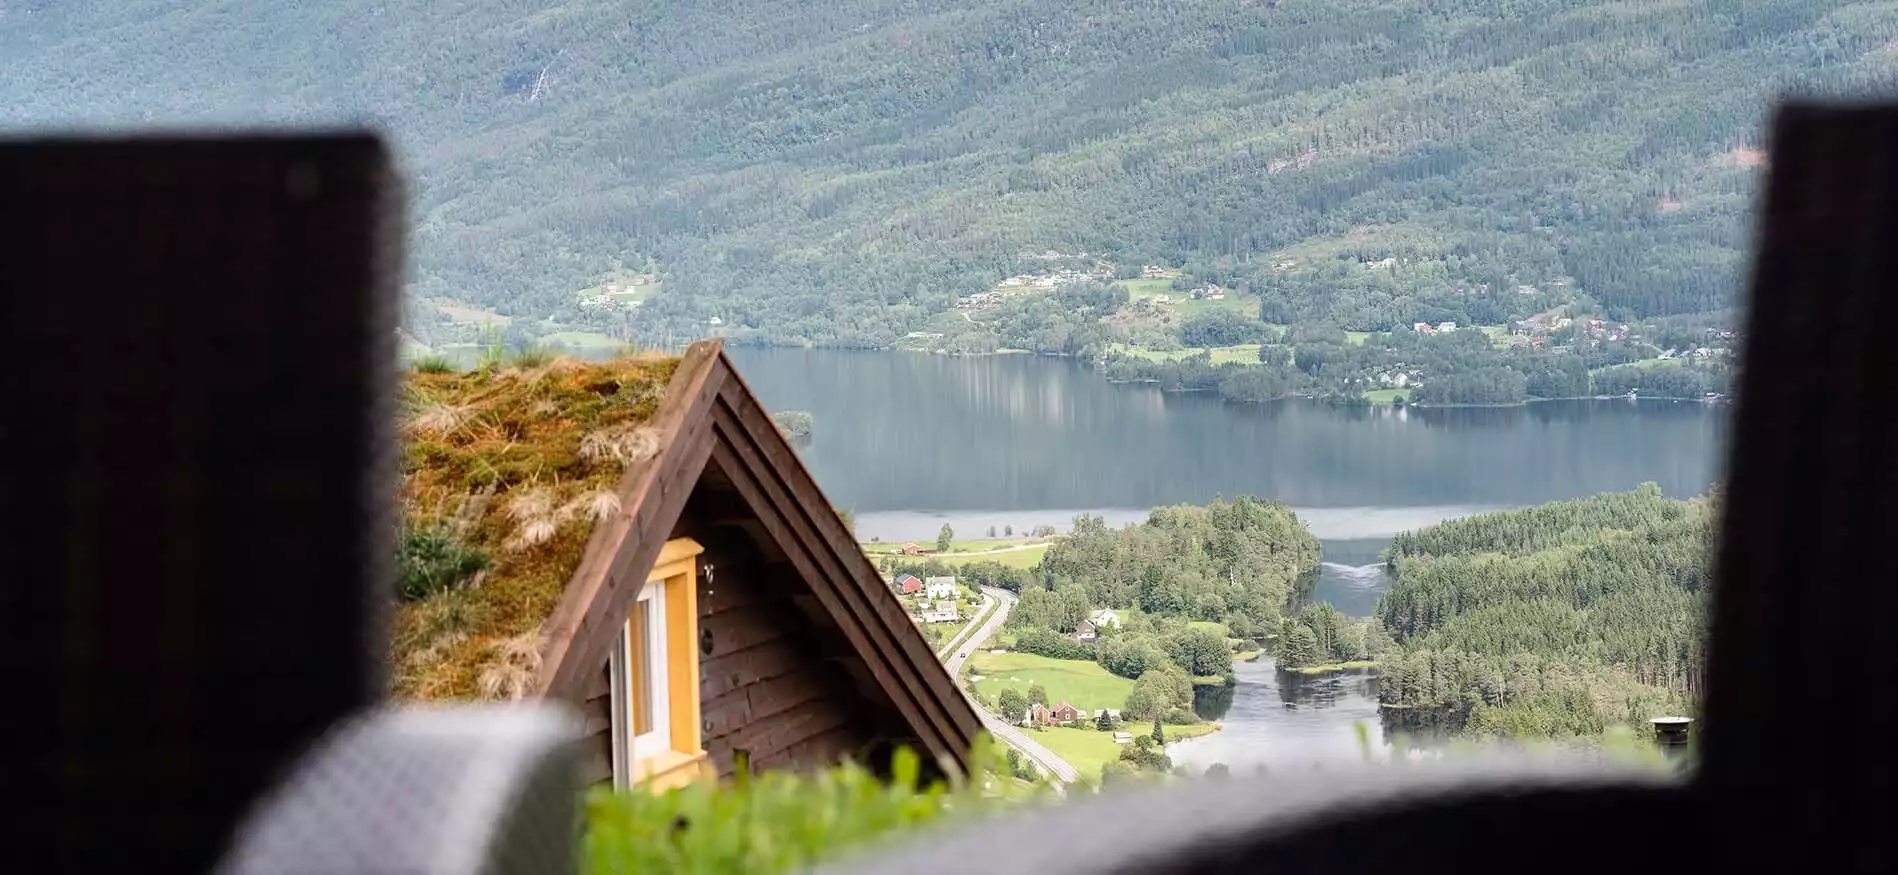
x=511 y=465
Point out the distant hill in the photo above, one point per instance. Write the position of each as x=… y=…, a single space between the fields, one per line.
x=838 y=171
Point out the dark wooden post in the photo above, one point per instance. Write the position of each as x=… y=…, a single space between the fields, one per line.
x=197 y=487
x=1803 y=605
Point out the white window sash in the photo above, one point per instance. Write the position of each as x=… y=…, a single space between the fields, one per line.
x=629 y=749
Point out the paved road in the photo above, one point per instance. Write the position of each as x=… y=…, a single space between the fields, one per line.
x=1043 y=758
x=963 y=638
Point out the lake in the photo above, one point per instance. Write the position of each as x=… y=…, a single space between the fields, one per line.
x=910 y=441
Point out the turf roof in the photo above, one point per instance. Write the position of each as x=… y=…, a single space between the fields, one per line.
x=518 y=462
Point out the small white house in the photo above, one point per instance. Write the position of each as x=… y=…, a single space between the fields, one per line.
x=939 y=587
x=1104 y=617
x=944 y=612
x=1445 y=327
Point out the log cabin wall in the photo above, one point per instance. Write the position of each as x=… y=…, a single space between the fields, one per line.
x=771 y=683
x=767 y=682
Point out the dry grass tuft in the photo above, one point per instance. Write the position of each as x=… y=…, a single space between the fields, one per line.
x=597 y=506
x=439 y=418
x=549 y=444
x=626 y=444
x=512 y=666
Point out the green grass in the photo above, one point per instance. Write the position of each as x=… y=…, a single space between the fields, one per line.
x=969 y=545
x=1208 y=624
x=1643 y=364
x=1329 y=667
x=1356 y=338
x=1081 y=684
x=1088 y=749
x=1386 y=396
x=1146 y=288
x=1027 y=558
x=1181 y=303
x=785 y=821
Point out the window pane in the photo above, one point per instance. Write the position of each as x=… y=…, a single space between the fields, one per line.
x=640 y=678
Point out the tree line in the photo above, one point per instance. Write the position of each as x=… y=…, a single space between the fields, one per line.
x=1551 y=621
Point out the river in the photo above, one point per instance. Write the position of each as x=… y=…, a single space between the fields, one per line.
x=910 y=441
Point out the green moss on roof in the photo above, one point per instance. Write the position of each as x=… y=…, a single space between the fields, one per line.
x=519 y=462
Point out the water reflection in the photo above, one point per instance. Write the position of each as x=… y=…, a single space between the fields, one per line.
x=904 y=432
x=1259 y=729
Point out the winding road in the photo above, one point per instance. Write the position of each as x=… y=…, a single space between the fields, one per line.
x=1043 y=758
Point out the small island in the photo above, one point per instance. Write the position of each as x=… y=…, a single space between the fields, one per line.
x=794 y=423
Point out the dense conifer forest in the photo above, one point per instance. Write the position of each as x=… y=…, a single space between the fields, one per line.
x=841 y=171
x=1556 y=620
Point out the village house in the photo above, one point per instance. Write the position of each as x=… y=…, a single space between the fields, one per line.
x=684 y=584
x=1085 y=632
x=910 y=549
x=1123 y=738
x=1064 y=713
x=908 y=584
x=944 y=612
x=1446 y=327
x=1423 y=328
x=940 y=587
x=1103 y=618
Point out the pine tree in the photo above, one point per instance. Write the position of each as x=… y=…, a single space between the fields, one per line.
x=1159 y=735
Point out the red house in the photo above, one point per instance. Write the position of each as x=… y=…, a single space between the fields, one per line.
x=1064 y=713
x=907 y=584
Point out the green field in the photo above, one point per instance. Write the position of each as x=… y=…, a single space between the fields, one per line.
x=1181 y=303
x=970 y=545
x=1088 y=749
x=1024 y=558
x=1387 y=396
x=1081 y=684
x=1643 y=364
x=964 y=552
x=1137 y=289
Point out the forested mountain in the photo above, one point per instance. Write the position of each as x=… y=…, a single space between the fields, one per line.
x=1555 y=620
x=839 y=170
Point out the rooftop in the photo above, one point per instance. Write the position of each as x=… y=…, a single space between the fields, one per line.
x=513 y=463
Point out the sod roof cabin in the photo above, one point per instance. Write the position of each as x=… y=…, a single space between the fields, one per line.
x=636 y=536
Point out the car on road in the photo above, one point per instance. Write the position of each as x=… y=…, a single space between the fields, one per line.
x=965 y=654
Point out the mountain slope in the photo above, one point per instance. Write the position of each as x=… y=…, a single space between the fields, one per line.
x=839 y=170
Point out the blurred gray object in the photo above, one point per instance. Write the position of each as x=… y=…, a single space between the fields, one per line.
x=464 y=790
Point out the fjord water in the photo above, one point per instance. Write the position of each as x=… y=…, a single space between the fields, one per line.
x=910 y=441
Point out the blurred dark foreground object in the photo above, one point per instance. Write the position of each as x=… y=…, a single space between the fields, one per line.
x=196 y=528
x=197 y=506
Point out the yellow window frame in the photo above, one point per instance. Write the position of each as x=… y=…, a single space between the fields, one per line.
x=683 y=759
